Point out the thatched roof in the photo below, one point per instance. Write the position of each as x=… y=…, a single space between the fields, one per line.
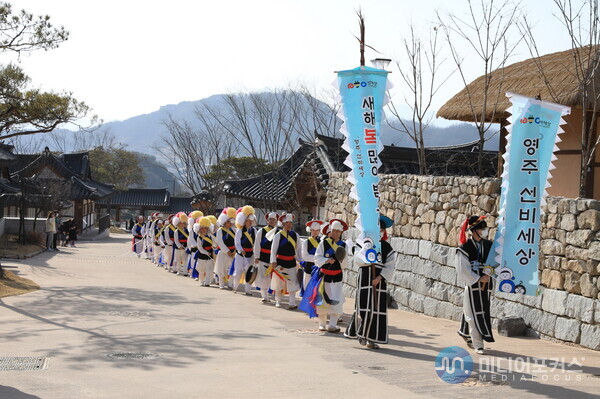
x=522 y=78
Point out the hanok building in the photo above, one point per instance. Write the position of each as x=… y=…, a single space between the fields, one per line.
x=301 y=183
x=65 y=178
x=552 y=77
x=143 y=201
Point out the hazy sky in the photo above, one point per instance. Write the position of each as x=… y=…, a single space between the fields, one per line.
x=129 y=57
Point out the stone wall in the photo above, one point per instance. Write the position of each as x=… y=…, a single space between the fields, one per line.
x=428 y=212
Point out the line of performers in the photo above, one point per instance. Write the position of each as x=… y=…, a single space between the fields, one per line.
x=231 y=252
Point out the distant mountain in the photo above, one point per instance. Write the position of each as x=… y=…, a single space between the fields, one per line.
x=142 y=132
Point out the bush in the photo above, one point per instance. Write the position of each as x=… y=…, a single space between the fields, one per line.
x=33 y=237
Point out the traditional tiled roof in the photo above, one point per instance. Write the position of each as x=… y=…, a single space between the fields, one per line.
x=326 y=156
x=455 y=160
x=7 y=157
x=272 y=185
x=158 y=198
x=180 y=204
x=73 y=167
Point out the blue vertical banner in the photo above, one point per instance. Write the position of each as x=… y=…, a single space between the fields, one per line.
x=533 y=134
x=363 y=95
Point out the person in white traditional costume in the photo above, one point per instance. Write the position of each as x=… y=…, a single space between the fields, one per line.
x=285 y=255
x=180 y=240
x=226 y=242
x=138 y=231
x=245 y=236
x=262 y=255
x=192 y=244
x=331 y=259
x=204 y=262
x=158 y=243
x=473 y=270
x=148 y=239
x=309 y=248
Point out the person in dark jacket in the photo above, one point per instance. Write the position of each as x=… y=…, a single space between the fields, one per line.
x=72 y=232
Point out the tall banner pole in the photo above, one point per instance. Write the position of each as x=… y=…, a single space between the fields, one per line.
x=533 y=135
x=363 y=95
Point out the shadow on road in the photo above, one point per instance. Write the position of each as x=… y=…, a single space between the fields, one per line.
x=130 y=311
x=13 y=393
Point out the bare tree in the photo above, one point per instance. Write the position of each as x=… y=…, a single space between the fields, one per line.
x=581 y=22
x=191 y=152
x=486 y=31
x=422 y=77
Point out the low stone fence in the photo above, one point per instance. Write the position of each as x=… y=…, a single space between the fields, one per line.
x=428 y=212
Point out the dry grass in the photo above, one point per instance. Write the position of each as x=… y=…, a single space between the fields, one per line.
x=15 y=285
x=9 y=248
x=117 y=230
x=560 y=73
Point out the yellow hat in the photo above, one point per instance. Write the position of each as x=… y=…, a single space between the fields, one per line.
x=196 y=214
x=183 y=217
x=204 y=222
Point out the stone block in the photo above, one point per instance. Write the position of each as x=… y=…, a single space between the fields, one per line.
x=497 y=308
x=411 y=247
x=420 y=284
x=588 y=286
x=554 y=301
x=552 y=262
x=439 y=253
x=589 y=219
x=401 y=295
x=440 y=218
x=572 y=282
x=573 y=252
x=455 y=295
x=553 y=221
x=425 y=249
x=415 y=302
x=425 y=232
x=512 y=326
x=448 y=275
x=540 y=321
x=567 y=329
x=445 y=310
x=568 y=222
x=439 y=291
x=404 y=262
x=429 y=269
x=580 y=238
x=577 y=265
x=594 y=250
x=590 y=336
x=430 y=306
x=552 y=247
x=552 y=279
x=580 y=308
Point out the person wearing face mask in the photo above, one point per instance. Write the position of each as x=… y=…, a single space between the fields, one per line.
x=369 y=323
x=472 y=256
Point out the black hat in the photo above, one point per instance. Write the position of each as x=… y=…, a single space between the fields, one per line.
x=477 y=222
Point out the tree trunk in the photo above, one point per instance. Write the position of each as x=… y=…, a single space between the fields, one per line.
x=480 y=154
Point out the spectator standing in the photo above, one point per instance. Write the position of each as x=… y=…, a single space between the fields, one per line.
x=58 y=233
x=50 y=231
x=64 y=229
x=72 y=232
